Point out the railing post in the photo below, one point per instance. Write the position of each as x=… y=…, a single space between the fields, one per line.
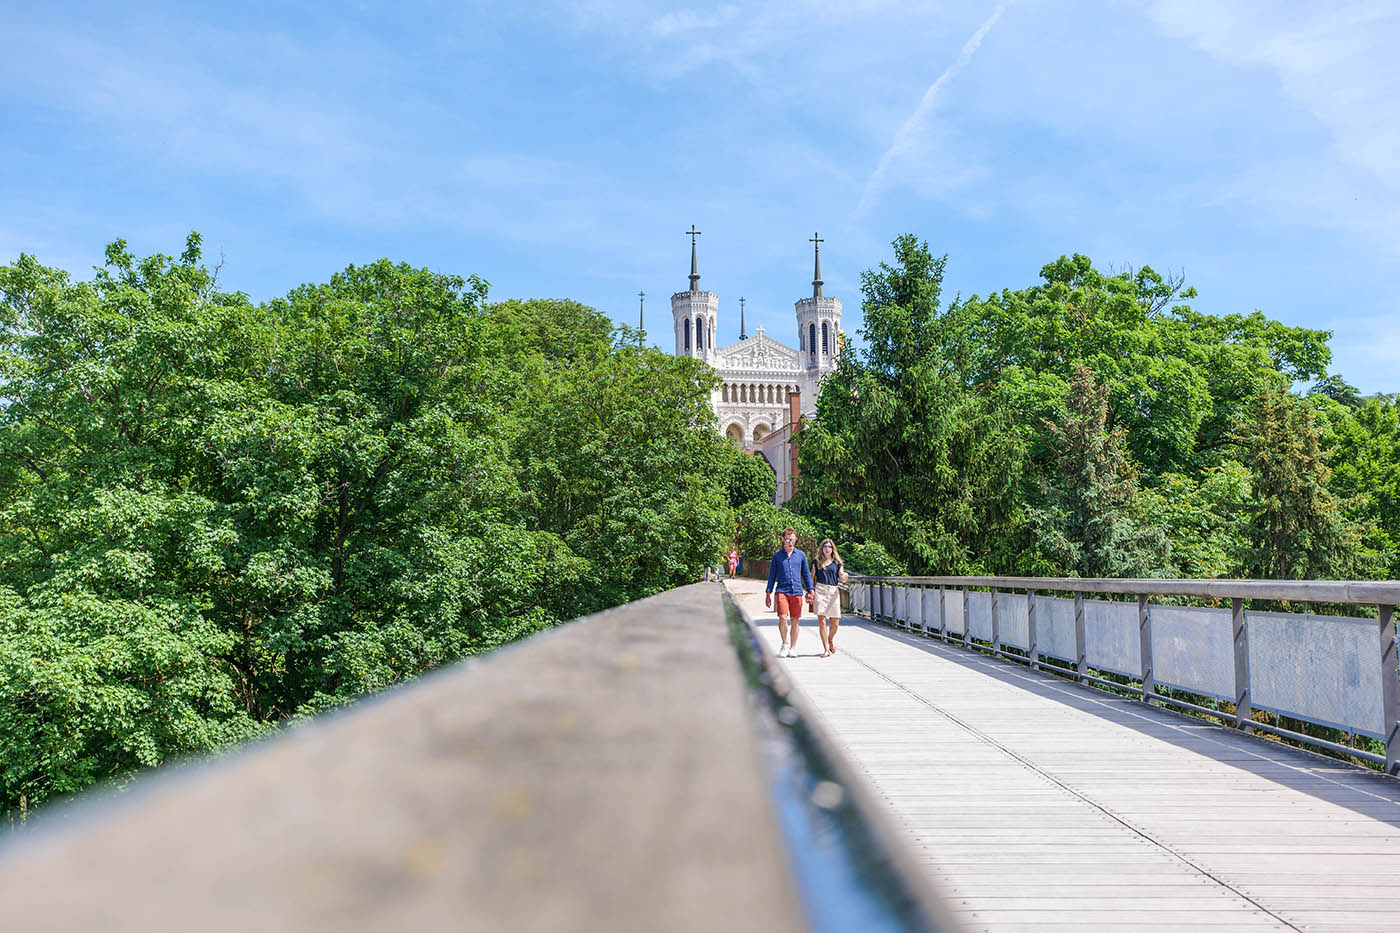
x=996 y=626
x=943 y=613
x=1081 y=656
x=881 y=588
x=1390 y=690
x=1034 y=646
x=1149 y=683
x=923 y=610
x=967 y=622
x=1241 y=635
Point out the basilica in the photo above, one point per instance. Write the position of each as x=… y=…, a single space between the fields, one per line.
x=765 y=386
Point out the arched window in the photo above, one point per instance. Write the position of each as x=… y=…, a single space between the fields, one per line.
x=699 y=335
x=687 y=335
x=772 y=394
x=812 y=339
x=826 y=346
x=724 y=392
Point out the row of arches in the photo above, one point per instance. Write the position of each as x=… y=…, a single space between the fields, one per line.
x=704 y=335
x=735 y=433
x=754 y=392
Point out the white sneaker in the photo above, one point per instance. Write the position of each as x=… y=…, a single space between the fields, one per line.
x=782 y=651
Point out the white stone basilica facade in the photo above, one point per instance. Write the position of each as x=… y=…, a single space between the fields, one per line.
x=758 y=374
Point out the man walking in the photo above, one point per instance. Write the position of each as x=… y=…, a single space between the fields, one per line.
x=793 y=578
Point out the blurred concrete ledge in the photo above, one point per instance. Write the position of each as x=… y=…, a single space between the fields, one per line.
x=605 y=775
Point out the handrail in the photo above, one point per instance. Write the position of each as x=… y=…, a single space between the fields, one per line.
x=1354 y=592
x=1336 y=672
x=612 y=773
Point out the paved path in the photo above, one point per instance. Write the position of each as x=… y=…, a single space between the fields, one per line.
x=1041 y=805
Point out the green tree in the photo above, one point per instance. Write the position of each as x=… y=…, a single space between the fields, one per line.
x=1203 y=519
x=1297 y=529
x=1337 y=389
x=216 y=516
x=748 y=477
x=1178 y=381
x=903 y=451
x=1085 y=519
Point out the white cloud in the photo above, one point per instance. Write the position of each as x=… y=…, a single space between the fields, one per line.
x=683 y=21
x=915 y=121
x=1336 y=61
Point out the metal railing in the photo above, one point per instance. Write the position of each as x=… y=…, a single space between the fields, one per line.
x=1332 y=671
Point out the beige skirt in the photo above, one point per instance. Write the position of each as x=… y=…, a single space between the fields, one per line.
x=828 y=601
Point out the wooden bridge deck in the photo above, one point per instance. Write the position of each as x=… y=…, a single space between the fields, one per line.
x=1042 y=805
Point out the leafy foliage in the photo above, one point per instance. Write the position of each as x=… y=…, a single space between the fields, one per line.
x=216 y=516
x=1095 y=424
x=749 y=478
x=903 y=452
x=1084 y=517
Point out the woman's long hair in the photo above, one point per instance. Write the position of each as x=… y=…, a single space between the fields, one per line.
x=821 y=554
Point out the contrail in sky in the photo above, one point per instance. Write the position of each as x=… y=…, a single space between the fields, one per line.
x=906 y=132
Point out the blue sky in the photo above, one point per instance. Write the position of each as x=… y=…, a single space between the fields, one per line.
x=560 y=149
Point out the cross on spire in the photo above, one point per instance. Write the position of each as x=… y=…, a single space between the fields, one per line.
x=694 y=266
x=816 y=242
x=641 y=317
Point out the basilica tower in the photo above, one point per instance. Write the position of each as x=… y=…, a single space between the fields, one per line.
x=818 y=321
x=695 y=313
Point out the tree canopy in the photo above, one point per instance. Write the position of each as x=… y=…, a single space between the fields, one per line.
x=217 y=515
x=1094 y=423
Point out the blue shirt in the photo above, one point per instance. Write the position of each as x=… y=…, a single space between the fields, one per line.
x=790 y=573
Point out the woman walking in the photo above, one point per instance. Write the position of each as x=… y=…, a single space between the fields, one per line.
x=829 y=575
x=732 y=559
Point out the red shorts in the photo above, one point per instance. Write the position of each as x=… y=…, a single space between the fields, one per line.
x=788 y=605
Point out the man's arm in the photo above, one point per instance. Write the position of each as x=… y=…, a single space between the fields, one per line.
x=807 y=586
x=773 y=571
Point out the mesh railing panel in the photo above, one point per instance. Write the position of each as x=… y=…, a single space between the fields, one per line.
x=1319 y=668
x=953 y=610
x=1111 y=641
x=1054 y=627
x=979 y=615
x=1193 y=649
x=1012 y=609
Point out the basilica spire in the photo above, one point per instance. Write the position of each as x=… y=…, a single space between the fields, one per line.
x=742 y=334
x=694 y=265
x=816 y=242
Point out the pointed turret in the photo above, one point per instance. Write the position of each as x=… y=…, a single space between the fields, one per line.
x=694 y=264
x=742 y=334
x=695 y=312
x=818 y=320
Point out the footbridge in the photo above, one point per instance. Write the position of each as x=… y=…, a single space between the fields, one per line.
x=1071 y=754
x=978 y=754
